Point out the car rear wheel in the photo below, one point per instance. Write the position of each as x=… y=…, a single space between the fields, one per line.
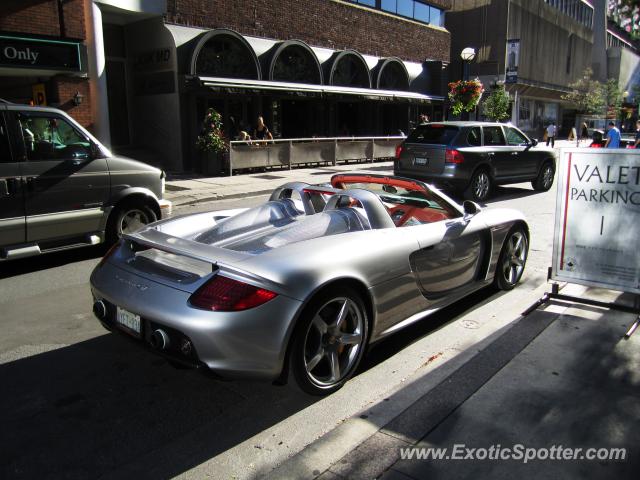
x=128 y=218
x=479 y=188
x=329 y=342
x=513 y=258
x=545 y=178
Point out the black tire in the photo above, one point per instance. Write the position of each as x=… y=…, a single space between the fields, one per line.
x=480 y=186
x=314 y=352
x=127 y=218
x=544 y=180
x=513 y=258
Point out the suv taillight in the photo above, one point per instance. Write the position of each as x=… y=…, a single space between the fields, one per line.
x=453 y=156
x=223 y=294
x=398 y=151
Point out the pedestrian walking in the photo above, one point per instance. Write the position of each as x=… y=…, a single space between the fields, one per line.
x=613 y=136
x=551 y=134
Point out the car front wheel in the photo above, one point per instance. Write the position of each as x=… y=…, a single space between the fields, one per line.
x=329 y=342
x=513 y=258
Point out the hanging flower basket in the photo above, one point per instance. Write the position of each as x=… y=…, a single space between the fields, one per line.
x=465 y=95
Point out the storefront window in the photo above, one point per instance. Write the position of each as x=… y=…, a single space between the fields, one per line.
x=296 y=64
x=225 y=56
x=350 y=71
x=393 y=77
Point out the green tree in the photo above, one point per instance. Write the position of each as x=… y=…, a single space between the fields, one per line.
x=496 y=106
x=614 y=98
x=588 y=95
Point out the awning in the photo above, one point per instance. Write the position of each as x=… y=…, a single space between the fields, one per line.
x=264 y=85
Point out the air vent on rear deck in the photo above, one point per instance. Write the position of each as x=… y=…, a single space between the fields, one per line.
x=170 y=266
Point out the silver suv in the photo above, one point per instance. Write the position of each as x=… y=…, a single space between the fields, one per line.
x=60 y=188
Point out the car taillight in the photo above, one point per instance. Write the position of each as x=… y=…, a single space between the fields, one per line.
x=224 y=294
x=398 y=151
x=453 y=156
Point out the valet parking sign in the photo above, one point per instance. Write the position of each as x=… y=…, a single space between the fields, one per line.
x=597 y=230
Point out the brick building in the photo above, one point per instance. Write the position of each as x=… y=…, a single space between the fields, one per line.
x=310 y=67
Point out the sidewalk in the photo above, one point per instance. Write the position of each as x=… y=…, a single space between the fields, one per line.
x=560 y=376
x=183 y=191
x=191 y=189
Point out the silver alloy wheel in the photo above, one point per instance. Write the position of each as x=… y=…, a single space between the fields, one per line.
x=333 y=341
x=547 y=177
x=480 y=185
x=133 y=220
x=515 y=257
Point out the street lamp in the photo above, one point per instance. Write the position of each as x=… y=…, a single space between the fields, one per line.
x=467 y=55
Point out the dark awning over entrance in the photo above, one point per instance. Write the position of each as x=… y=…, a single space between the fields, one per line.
x=323 y=90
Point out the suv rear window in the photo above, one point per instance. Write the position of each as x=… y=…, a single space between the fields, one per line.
x=433 y=134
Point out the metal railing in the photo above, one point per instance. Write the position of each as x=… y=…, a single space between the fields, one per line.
x=287 y=153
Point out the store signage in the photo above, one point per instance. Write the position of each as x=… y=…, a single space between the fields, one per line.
x=513 y=58
x=23 y=52
x=153 y=60
x=597 y=222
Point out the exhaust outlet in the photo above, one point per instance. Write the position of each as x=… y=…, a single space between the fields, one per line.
x=100 y=310
x=159 y=339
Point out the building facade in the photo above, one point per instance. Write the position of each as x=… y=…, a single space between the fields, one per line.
x=310 y=68
x=538 y=48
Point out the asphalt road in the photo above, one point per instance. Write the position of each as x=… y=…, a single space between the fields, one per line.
x=79 y=402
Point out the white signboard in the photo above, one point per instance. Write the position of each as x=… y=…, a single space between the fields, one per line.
x=597 y=230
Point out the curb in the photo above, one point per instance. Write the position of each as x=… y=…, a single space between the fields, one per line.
x=372 y=448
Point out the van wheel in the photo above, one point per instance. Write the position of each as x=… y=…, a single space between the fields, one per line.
x=128 y=218
x=545 y=178
x=479 y=187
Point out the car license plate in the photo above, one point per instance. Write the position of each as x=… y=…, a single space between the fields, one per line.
x=130 y=321
x=420 y=161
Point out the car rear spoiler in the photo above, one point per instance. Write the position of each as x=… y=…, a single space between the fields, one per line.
x=153 y=238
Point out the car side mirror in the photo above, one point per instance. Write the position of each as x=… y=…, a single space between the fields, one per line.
x=470 y=208
x=534 y=142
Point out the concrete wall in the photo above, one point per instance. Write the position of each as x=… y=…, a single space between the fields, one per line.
x=544 y=40
x=153 y=91
x=624 y=65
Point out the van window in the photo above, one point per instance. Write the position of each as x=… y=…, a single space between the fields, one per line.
x=433 y=133
x=48 y=137
x=5 y=151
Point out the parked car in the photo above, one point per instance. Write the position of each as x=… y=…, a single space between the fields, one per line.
x=305 y=281
x=60 y=188
x=472 y=157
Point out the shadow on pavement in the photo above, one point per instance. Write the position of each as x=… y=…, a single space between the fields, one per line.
x=50 y=260
x=549 y=380
x=82 y=411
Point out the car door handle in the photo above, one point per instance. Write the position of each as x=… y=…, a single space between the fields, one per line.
x=490 y=154
x=514 y=153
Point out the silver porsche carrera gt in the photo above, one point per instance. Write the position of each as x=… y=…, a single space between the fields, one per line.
x=304 y=282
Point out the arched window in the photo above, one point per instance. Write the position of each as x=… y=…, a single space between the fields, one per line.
x=349 y=69
x=294 y=61
x=224 y=53
x=392 y=75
